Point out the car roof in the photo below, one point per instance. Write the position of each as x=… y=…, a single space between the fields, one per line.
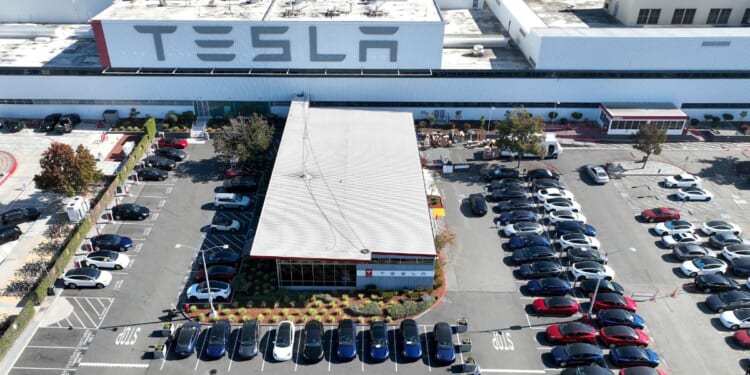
x=92 y=272
x=618 y=330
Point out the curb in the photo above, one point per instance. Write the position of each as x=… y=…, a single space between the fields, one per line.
x=12 y=168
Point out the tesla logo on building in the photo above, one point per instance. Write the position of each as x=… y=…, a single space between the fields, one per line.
x=368 y=273
x=219 y=50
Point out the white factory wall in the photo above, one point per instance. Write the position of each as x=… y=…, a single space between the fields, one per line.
x=50 y=11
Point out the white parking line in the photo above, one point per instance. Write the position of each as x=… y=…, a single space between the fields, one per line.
x=146 y=231
x=234 y=349
x=84 y=311
x=154 y=216
x=427 y=347
x=55 y=347
x=330 y=350
x=198 y=354
x=79 y=319
x=92 y=307
x=152 y=196
x=113 y=365
x=44 y=369
x=395 y=350
x=362 y=348
x=296 y=362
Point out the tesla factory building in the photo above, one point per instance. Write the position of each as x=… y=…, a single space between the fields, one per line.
x=451 y=59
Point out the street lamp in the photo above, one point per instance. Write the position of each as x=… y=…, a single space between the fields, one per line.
x=492 y=110
x=205 y=271
x=555 y=112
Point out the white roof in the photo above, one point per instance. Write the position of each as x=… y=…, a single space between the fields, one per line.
x=346 y=184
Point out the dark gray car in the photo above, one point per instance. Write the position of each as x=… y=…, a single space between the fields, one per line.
x=687 y=251
x=248 y=341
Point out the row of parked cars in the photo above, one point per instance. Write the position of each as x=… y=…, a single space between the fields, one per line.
x=552 y=243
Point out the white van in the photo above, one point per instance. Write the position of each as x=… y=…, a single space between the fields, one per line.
x=231 y=200
x=550 y=144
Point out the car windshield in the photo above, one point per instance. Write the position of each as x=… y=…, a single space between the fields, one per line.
x=186 y=334
x=248 y=333
x=678 y=177
x=742 y=314
x=346 y=335
x=716 y=223
x=313 y=338
x=283 y=335
x=566 y=329
x=217 y=335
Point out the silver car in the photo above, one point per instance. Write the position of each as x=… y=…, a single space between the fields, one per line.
x=597 y=173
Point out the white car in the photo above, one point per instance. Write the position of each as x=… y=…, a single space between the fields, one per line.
x=283 y=344
x=672 y=240
x=736 y=251
x=735 y=319
x=544 y=194
x=88 y=277
x=597 y=173
x=522 y=227
x=220 y=291
x=106 y=259
x=224 y=224
x=577 y=241
x=718 y=226
x=674 y=227
x=591 y=270
x=703 y=266
x=554 y=204
x=694 y=194
x=566 y=215
x=682 y=180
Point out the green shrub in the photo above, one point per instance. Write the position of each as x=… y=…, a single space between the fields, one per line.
x=576 y=115
x=367 y=309
x=193 y=308
x=325 y=297
x=312 y=311
x=245 y=318
x=332 y=319
x=332 y=304
x=232 y=318
x=410 y=308
x=317 y=303
x=388 y=294
x=388 y=319
x=276 y=319
x=202 y=316
x=241 y=311
x=396 y=311
x=261 y=318
x=344 y=297
x=249 y=304
x=727 y=116
x=226 y=311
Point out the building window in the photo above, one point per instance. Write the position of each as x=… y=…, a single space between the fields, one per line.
x=746 y=17
x=718 y=16
x=306 y=273
x=683 y=16
x=648 y=16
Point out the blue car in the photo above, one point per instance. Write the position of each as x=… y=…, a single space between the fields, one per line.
x=217 y=339
x=548 y=286
x=442 y=334
x=111 y=242
x=616 y=317
x=379 y=341
x=186 y=339
x=347 y=348
x=528 y=240
x=577 y=354
x=567 y=227
x=629 y=356
x=512 y=217
x=411 y=346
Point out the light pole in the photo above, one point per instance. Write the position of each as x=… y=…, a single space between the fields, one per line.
x=489 y=123
x=555 y=112
x=205 y=271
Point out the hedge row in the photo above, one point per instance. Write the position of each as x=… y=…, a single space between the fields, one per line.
x=139 y=151
x=20 y=322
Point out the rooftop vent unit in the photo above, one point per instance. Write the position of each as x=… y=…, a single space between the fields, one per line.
x=291 y=12
x=333 y=12
x=569 y=8
x=375 y=12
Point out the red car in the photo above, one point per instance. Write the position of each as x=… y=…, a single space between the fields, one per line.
x=642 y=370
x=218 y=272
x=179 y=143
x=614 y=301
x=742 y=338
x=555 y=306
x=565 y=333
x=660 y=214
x=623 y=335
x=234 y=172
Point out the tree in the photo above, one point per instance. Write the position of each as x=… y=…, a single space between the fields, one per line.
x=65 y=171
x=576 y=116
x=552 y=115
x=521 y=134
x=649 y=139
x=248 y=140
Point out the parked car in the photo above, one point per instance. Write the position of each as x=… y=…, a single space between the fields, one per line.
x=219 y=272
x=660 y=214
x=731 y=300
x=411 y=347
x=720 y=226
x=609 y=317
x=565 y=227
x=19 y=215
x=379 y=341
x=105 y=259
x=739 y=266
x=558 y=305
x=240 y=184
x=130 y=211
x=227 y=257
x=576 y=255
x=187 y=338
x=160 y=163
x=528 y=240
x=248 y=338
x=548 y=286
x=719 y=240
x=596 y=173
x=49 y=122
x=689 y=251
x=522 y=227
x=730 y=252
x=628 y=356
x=478 y=204
x=220 y=291
x=681 y=180
x=9 y=233
x=283 y=344
x=571 y=241
x=312 y=348
x=713 y=283
x=539 y=269
x=671 y=240
x=605 y=286
x=567 y=333
x=623 y=335
x=111 y=242
x=694 y=194
x=673 y=227
x=533 y=254
x=703 y=266
x=614 y=301
x=224 y=224
x=515 y=216
x=591 y=270
x=565 y=215
x=151 y=174
x=240 y=171
x=495 y=172
x=442 y=336
x=172 y=153
x=217 y=339
x=507 y=193
x=541 y=173
x=586 y=370
x=87 y=277
x=558 y=204
x=347 y=343
x=577 y=354
x=735 y=319
x=506 y=183
x=66 y=123
x=231 y=200
x=546 y=183
x=178 y=143
x=543 y=195
x=515 y=204
x=642 y=370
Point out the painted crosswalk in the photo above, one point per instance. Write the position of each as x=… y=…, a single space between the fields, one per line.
x=86 y=313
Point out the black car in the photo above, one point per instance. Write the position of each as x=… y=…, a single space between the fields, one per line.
x=567 y=227
x=731 y=300
x=539 y=269
x=739 y=266
x=721 y=239
x=159 y=162
x=688 y=251
x=227 y=257
x=546 y=183
x=605 y=286
x=548 y=286
x=509 y=193
x=19 y=215
x=49 y=122
x=151 y=174
x=313 y=344
x=14 y=126
x=515 y=204
x=610 y=317
x=586 y=370
x=533 y=254
x=172 y=153
x=478 y=204
x=9 y=233
x=496 y=172
x=540 y=173
x=67 y=123
x=240 y=184
x=576 y=255
x=130 y=211
x=715 y=283
x=506 y=183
